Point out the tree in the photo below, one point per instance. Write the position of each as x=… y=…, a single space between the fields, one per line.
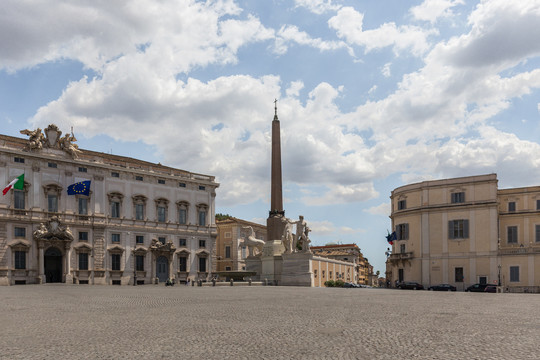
x=220 y=217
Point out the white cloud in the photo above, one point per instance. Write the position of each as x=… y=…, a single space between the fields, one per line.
x=348 y=24
x=386 y=72
x=294 y=88
x=382 y=209
x=317 y=6
x=290 y=34
x=432 y=10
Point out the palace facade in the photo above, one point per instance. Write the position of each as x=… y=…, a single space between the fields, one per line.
x=139 y=222
x=464 y=231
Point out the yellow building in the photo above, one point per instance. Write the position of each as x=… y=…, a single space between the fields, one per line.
x=231 y=252
x=464 y=231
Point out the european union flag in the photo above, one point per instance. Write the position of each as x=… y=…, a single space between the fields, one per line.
x=82 y=188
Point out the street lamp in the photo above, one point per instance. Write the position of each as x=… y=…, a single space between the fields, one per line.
x=499 y=266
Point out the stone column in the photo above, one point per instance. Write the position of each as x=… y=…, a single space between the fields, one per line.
x=171 y=261
x=41 y=261
x=69 y=276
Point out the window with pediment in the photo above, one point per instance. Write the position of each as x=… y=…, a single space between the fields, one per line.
x=202 y=211
x=52 y=197
x=162 y=206
x=115 y=204
x=183 y=207
x=20 y=197
x=139 y=207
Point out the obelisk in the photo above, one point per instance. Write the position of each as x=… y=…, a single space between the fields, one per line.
x=274 y=223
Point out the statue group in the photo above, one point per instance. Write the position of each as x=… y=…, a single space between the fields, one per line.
x=294 y=240
x=53 y=139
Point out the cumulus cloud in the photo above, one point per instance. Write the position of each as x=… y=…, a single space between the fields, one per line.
x=432 y=10
x=382 y=209
x=348 y=24
x=317 y=6
x=290 y=34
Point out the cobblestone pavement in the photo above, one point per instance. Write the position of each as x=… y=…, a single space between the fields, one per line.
x=158 y=322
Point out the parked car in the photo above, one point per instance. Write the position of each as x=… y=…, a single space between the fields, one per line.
x=442 y=287
x=411 y=285
x=477 y=288
x=491 y=288
x=351 y=285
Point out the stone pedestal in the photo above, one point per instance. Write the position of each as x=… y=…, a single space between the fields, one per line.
x=297 y=269
x=253 y=263
x=271 y=261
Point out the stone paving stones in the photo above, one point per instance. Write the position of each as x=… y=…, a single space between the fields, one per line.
x=158 y=322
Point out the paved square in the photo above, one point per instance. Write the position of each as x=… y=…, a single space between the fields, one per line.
x=154 y=322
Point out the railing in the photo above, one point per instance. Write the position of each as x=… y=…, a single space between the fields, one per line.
x=520 y=250
x=401 y=256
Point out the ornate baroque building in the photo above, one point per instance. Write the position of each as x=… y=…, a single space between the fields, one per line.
x=464 y=231
x=138 y=222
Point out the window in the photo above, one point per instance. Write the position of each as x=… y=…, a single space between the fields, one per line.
x=83 y=236
x=83 y=261
x=402 y=248
x=458 y=229
x=402 y=204
x=161 y=209
x=244 y=252
x=139 y=239
x=115 y=209
x=537 y=233
x=83 y=206
x=162 y=240
x=139 y=178
x=202 y=217
x=115 y=174
x=315 y=273
x=115 y=201
x=52 y=165
x=202 y=187
x=511 y=206
x=202 y=243
x=139 y=211
x=52 y=202
x=20 y=232
x=537 y=204
x=83 y=169
x=512 y=232
x=161 y=213
x=161 y=181
x=182 y=216
x=227 y=268
x=227 y=252
x=19 y=199
x=514 y=273
x=330 y=275
x=182 y=263
x=182 y=185
x=115 y=261
x=202 y=264
x=457 y=197
x=115 y=238
x=19 y=160
x=20 y=260
x=139 y=262
x=458 y=274
x=182 y=242
x=402 y=231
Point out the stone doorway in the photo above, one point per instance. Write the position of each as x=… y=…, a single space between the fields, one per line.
x=162 y=268
x=53 y=265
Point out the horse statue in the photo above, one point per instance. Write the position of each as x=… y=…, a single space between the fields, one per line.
x=252 y=242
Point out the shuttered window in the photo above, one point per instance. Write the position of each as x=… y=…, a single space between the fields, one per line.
x=458 y=229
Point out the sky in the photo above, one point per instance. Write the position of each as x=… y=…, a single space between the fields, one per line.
x=372 y=95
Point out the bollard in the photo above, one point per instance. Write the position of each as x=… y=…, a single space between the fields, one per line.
x=249 y=281
x=213 y=282
x=232 y=282
x=265 y=282
x=200 y=282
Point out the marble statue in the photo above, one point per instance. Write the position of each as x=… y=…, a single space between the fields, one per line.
x=252 y=242
x=35 y=140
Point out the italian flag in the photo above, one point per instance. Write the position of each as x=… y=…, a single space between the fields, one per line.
x=17 y=183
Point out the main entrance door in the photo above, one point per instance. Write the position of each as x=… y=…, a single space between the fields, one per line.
x=53 y=265
x=162 y=268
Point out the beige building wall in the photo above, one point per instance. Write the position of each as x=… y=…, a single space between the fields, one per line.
x=465 y=230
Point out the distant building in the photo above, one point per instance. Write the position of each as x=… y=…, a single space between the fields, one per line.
x=137 y=221
x=349 y=253
x=231 y=252
x=465 y=230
